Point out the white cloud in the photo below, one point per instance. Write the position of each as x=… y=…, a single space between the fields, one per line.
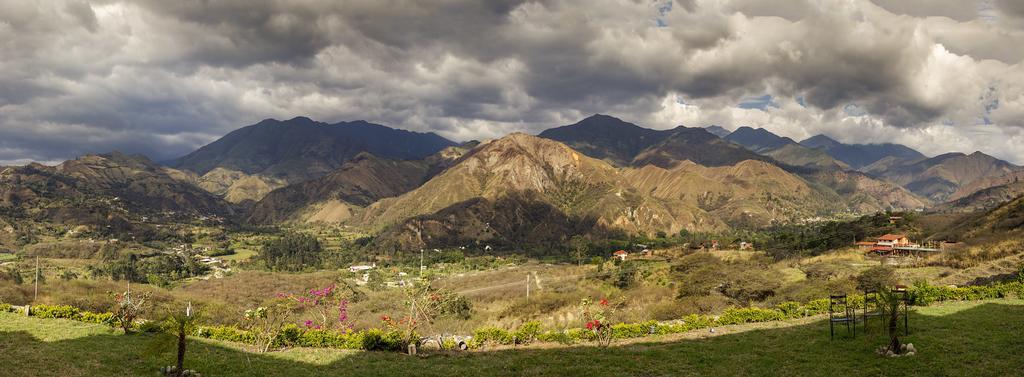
x=163 y=77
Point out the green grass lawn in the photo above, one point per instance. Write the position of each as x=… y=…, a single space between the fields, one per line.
x=955 y=339
x=239 y=255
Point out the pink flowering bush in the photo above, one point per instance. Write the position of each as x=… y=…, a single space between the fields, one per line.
x=327 y=306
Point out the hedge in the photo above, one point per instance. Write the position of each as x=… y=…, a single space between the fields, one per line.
x=921 y=294
x=292 y=335
x=67 y=312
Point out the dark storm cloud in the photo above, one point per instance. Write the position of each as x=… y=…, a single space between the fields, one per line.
x=1011 y=8
x=958 y=10
x=163 y=77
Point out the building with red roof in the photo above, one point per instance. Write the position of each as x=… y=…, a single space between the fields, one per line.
x=893 y=240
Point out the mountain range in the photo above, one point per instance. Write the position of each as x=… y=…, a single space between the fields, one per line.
x=782 y=149
x=858 y=156
x=599 y=176
x=936 y=180
x=940 y=178
x=251 y=161
x=103 y=189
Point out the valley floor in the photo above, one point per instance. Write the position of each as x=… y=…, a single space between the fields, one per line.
x=957 y=338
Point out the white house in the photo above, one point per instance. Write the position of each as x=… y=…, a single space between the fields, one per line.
x=362 y=267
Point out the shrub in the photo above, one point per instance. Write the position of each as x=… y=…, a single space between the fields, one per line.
x=490 y=336
x=736 y=316
x=527 y=332
x=633 y=330
x=5 y=308
x=380 y=340
x=227 y=333
x=100 y=318
x=55 y=311
x=815 y=307
x=790 y=309
x=564 y=337
x=694 y=321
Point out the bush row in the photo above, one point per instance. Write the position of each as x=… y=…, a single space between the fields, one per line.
x=291 y=335
x=921 y=294
x=65 y=312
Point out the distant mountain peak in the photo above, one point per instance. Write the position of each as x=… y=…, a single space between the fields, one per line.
x=717 y=130
x=606 y=137
x=758 y=140
x=819 y=140
x=603 y=121
x=301 y=148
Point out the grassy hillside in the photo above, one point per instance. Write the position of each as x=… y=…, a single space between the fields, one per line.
x=964 y=339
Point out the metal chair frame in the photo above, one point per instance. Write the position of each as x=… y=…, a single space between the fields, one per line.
x=848 y=316
x=872 y=308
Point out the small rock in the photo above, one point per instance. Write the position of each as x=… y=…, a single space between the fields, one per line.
x=890 y=353
x=910 y=348
x=911 y=353
x=712 y=329
x=903 y=347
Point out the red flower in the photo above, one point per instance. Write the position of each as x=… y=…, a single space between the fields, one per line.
x=590 y=325
x=604 y=302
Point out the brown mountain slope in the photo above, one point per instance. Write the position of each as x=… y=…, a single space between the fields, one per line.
x=107 y=183
x=359 y=182
x=989 y=182
x=938 y=178
x=516 y=220
x=517 y=162
x=236 y=186
x=985 y=199
x=465 y=202
x=863 y=193
x=748 y=193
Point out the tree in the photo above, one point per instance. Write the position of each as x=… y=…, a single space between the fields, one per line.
x=174 y=330
x=328 y=305
x=291 y=252
x=891 y=303
x=10 y=274
x=265 y=322
x=580 y=246
x=127 y=308
x=875 y=277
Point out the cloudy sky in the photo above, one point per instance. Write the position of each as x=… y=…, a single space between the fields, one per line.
x=164 y=77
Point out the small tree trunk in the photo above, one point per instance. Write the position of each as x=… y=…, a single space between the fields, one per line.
x=894 y=339
x=181 y=351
